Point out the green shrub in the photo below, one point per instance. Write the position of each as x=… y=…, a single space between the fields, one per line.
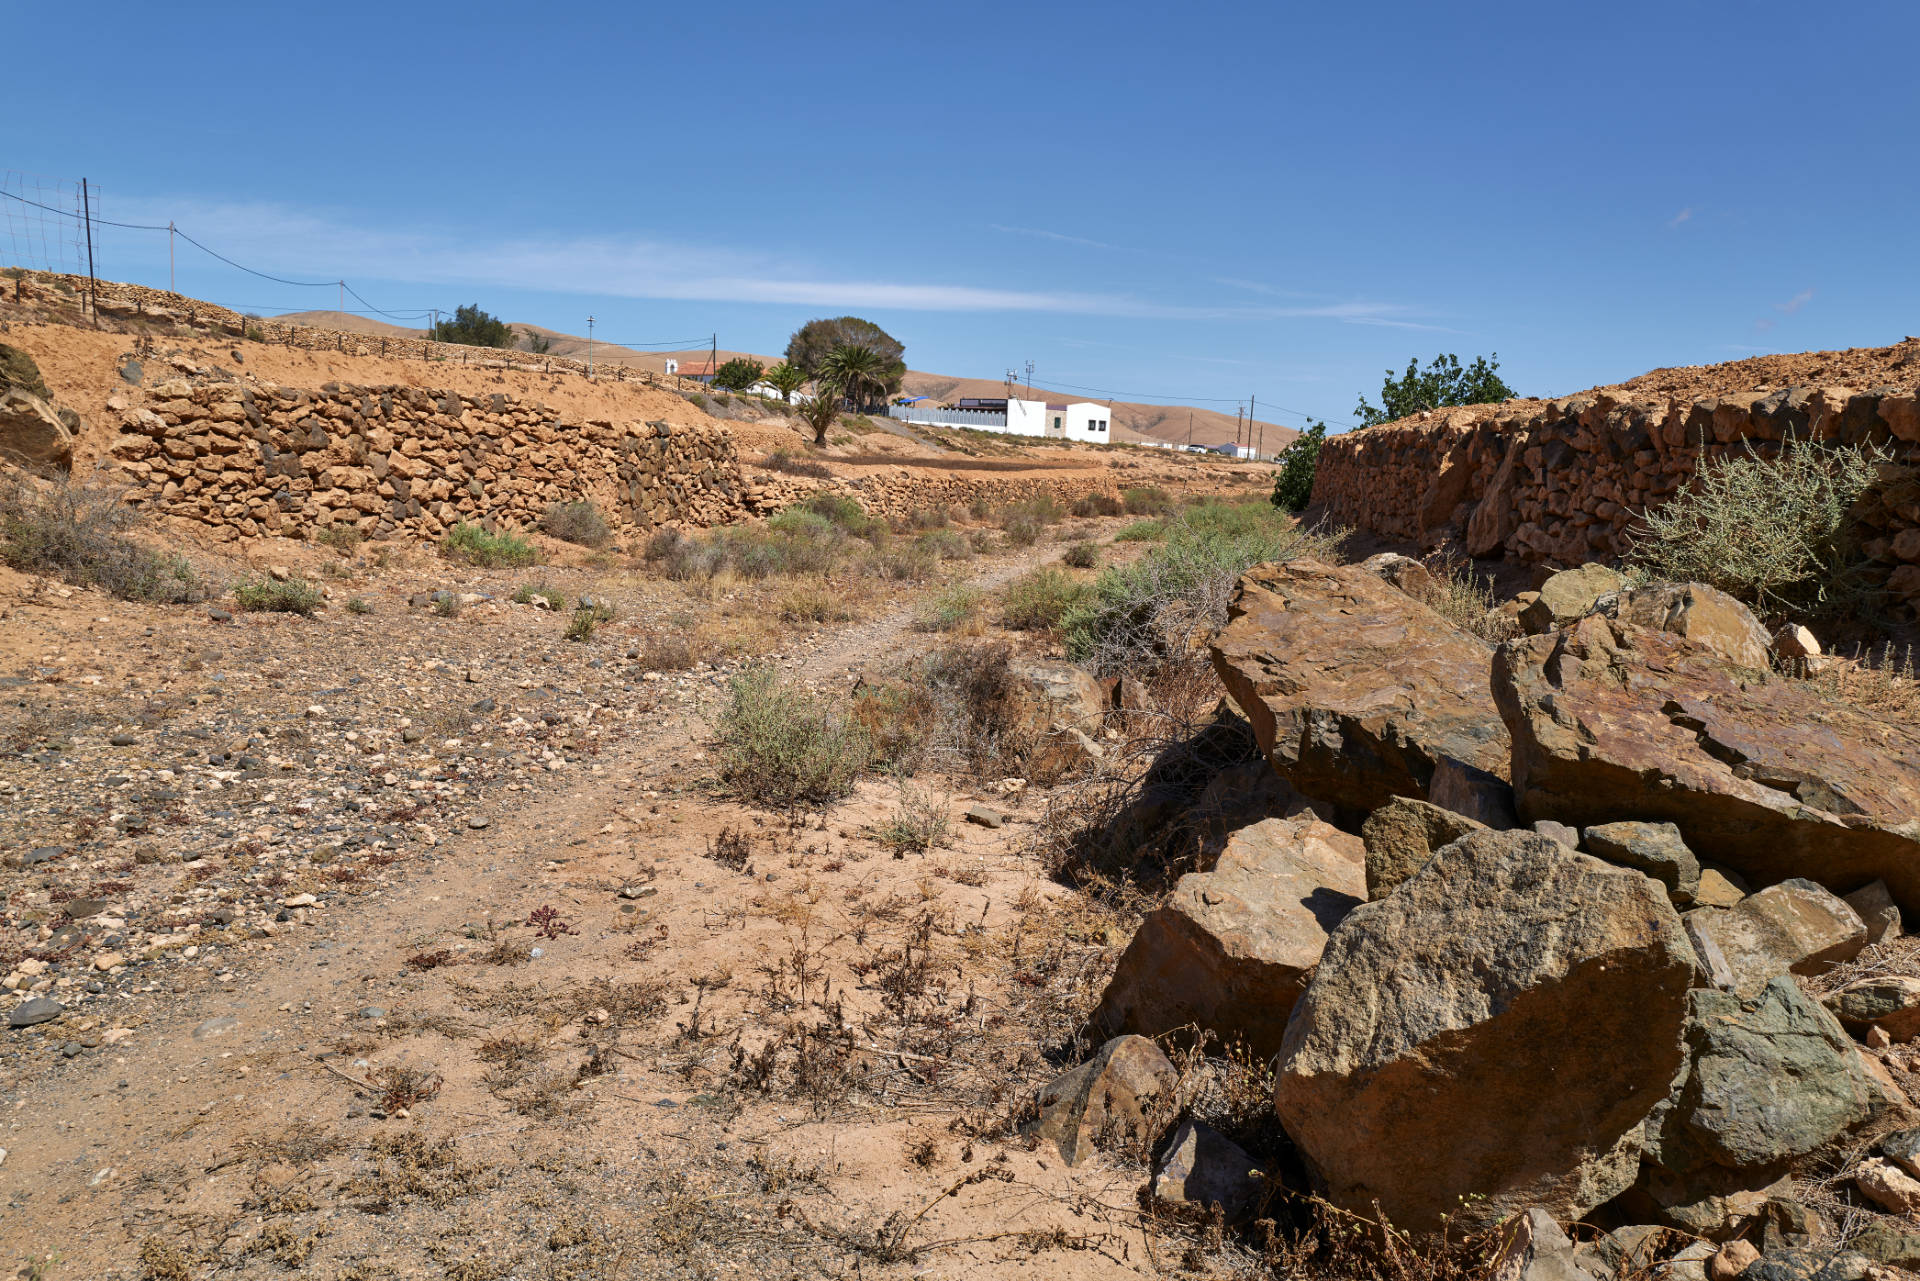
x=269 y=596
x=919 y=824
x=950 y=609
x=358 y=605
x=577 y=522
x=1293 y=487
x=446 y=604
x=1142 y=531
x=927 y=518
x=1773 y=531
x=77 y=533
x=1039 y=601
x=784 y=747
x=1146 y=500
x=587 y=617
x=844 y=511
x=474 y=545
x=980 y=506
x=1082 y=555
x=1176 y=595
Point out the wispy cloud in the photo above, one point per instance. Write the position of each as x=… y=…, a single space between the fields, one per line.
x=282 y=241
x=1683 y=216
x=1787 y=308
x=1040 y=233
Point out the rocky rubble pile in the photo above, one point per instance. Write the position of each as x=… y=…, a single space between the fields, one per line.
x=33 y=430
x=1606 y=932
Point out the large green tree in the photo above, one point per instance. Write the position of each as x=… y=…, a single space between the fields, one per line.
x=1443 y=382
x=738 y=374
x=472 y=327
x=814 y=341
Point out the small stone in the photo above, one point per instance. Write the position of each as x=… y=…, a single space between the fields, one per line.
x=1560 y=832
x=412 y=734
x=479 y=822
x=123 y=740
x=1719 y=887
x=1653 y=848
x=41 y=854
x=982 y=816
x=1734 y=1258
x=1888 y=1186
x=1204 y=1168
x=1902 y=1147
x=218 y=615
x=299 y=900
x=108 y=960
x=217 y=1026
x=371 y=1012
x=537 y=953
x=1113 y=1093
x=36 y=1010
x=1810 y=1263
x=279 y=573
x=80 y=909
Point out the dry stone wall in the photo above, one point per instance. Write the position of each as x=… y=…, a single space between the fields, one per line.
x=251 y=460
x=1561 y=482
x=248 y=460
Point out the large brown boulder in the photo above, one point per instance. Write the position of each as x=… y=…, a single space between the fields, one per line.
x=1489 y=1036
x=1356 y=691
x=1760 y=774
x=1229 y=951
x=31 y=432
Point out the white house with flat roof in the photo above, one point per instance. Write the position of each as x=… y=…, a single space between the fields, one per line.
x=1082 y=420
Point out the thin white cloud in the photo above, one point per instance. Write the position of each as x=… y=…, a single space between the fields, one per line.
x=1040 y=233
x=272 y=238
x=1683 y=216
x=1794 y=303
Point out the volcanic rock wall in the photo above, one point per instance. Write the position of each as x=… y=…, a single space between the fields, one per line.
x=1560 y=482
x=253 y=460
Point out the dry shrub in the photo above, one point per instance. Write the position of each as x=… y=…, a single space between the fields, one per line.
x=1040 y=601
x=952 y=609
x=1465 y=599
x=1885 y=685
x=1771 y=527
x=577 y=522
x=818 y=603
x=1098 y=505
x=271 y=596
x=782 y=460
x=77 y=533
x=783 y=747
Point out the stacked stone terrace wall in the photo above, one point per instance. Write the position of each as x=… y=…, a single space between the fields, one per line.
x=1561 y=482
x=251 y=461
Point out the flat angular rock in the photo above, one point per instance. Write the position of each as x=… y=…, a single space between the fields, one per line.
x=1890 y=1002
x=1706 y=616
x=1719 y=887
x=1877 y=911
x=1888 y=1186
x=1759 y=774
x=1116 y=1092
x=1653 y=848
x=1402 y=835
x=1228 y=951
x=1569 y=595
x=1794 y=926
x=35 y=1010
x=1355 y=690
x=1809 y=1263
x=1902 y=1148
x=1202 y=1167
x=1495 y=1029
x=1049 y=693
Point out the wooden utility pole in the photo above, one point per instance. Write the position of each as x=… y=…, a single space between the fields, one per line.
x=86 y=211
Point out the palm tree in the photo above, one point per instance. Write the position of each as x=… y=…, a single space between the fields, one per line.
x=858 y=373
x=822 y=412
x=786 y=379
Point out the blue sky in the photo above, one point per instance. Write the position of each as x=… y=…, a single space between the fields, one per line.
x=1201 y=201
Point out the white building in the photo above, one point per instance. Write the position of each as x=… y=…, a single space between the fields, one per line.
x=1082 y=420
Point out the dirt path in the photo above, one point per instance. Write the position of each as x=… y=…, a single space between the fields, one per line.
x=251 y=1125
